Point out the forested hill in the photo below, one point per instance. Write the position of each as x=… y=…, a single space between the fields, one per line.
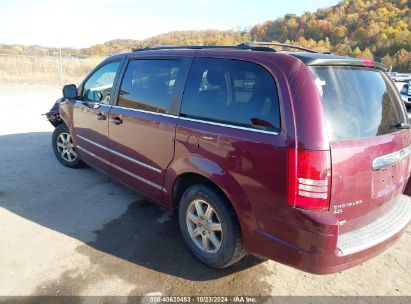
x=377 y=29
x=373 y=29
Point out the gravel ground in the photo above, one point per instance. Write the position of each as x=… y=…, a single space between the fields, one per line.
x=76 y=232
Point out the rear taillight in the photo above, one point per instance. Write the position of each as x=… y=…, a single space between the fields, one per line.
x=309 y=179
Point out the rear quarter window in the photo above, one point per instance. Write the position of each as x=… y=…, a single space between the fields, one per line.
x=358 y=102
x=232 y=92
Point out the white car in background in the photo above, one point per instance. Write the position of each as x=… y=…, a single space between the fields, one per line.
x=406 y=94
x=397 y=77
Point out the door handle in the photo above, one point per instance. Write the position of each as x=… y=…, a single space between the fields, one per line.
x=116 y=120
x=101 y=116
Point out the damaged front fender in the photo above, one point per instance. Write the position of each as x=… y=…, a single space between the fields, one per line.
x=53 y=116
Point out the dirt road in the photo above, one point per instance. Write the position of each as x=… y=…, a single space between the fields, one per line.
x=76 y=232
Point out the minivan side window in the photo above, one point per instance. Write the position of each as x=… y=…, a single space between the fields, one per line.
x=148 y=84
x=233 y=92
x=98 y=87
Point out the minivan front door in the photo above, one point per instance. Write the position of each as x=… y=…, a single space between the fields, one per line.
x=142 y=123
x=90 y=116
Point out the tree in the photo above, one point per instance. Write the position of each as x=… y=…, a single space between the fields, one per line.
x=356 y=52
x=366 y=54
x=403 y=60
x=343 y=49
x=387 y=60
x=99 y=50
x=339 y=33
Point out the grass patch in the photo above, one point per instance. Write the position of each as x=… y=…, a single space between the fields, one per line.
x=30 y=69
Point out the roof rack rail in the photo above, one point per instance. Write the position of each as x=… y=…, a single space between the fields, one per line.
x=284 y=45
x=242 y=46
x=253 y=46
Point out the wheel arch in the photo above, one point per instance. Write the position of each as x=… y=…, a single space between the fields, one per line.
x=185 y=180
x=185 y=171
x=194 y=168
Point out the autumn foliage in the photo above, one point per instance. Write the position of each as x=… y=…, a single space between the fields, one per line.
x=374 y=29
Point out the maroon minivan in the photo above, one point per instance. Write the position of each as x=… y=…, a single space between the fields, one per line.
x=299 y=157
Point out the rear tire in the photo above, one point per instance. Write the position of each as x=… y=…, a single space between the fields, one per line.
x=209 y=227
x=63 y=148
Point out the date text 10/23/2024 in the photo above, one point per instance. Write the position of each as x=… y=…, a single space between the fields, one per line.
x=205 y=299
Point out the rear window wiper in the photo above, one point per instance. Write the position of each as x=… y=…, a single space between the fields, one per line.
x=401 y=125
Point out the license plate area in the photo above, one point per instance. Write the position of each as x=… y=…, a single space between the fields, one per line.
x=388 y=179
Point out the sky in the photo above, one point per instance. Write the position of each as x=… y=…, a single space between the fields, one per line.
x=82 y=23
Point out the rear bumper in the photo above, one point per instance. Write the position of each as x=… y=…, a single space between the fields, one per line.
x=378 y=231
x=330 y=252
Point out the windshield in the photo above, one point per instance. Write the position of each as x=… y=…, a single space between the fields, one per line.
x=358 y=102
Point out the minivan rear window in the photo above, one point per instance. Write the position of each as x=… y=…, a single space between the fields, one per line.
x=358 y=102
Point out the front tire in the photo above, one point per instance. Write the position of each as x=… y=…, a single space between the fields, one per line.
x=63 y=148
x=209 y=226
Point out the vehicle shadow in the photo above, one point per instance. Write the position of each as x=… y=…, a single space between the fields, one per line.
x=92 y=208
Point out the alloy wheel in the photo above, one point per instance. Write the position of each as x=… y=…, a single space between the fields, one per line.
x=204 y=226
x=65 y=147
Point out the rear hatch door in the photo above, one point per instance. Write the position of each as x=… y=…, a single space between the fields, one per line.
x=369 y=145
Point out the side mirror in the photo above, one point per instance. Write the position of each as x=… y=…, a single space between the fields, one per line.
x=70 y=91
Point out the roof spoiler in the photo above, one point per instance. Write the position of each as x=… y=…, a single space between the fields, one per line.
x=332 y=59
x=348 y=61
